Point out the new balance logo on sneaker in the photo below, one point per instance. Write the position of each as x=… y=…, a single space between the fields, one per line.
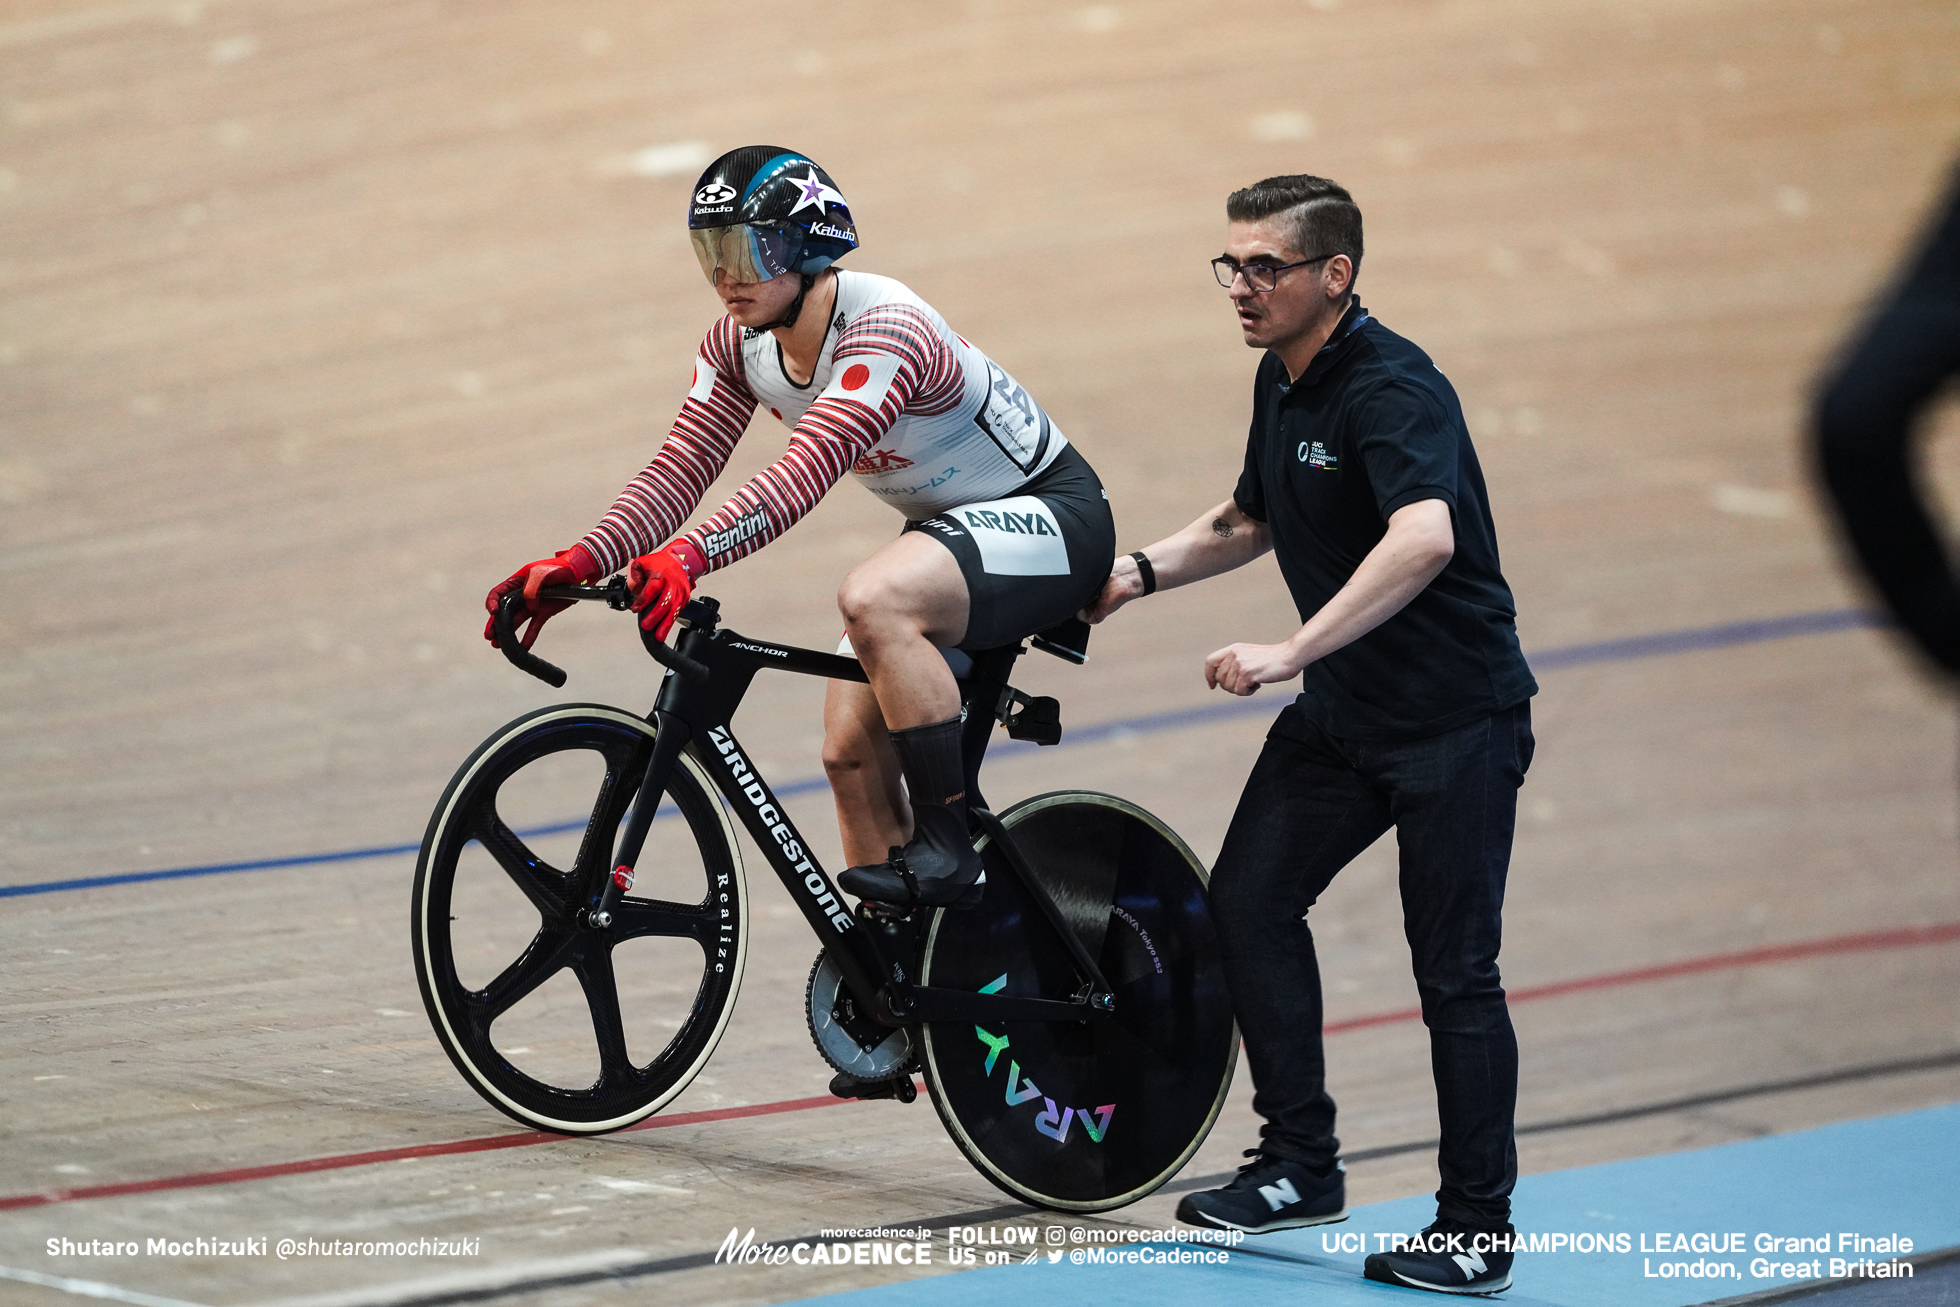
x=1269 y=1193
x=1279 y=1195
x=1447 y=1258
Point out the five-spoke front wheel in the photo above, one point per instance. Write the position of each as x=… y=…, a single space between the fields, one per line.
x=561 y=1024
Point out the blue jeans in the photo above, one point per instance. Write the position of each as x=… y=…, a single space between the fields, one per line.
x=1311 y=805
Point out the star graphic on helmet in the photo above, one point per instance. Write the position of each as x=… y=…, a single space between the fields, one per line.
x=815 y=193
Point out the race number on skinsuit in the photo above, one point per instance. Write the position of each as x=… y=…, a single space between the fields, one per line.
x=1013 y=419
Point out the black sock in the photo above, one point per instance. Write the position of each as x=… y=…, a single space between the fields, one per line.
x=938 y=864
x=935 y=771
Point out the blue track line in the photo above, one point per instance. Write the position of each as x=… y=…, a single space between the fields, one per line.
x=1639 y=646
x=1708 y=637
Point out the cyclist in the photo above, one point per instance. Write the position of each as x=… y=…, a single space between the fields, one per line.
x=1007 y=530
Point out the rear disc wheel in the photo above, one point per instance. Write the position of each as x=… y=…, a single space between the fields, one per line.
x=1084 y=1116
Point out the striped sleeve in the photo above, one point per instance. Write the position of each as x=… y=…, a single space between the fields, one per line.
x=890 y=361
x=712 y=419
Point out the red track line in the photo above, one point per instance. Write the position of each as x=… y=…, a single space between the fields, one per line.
x=490 y=1144
x=1904 y=937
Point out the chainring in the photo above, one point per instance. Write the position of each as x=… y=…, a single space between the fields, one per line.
x=848 y=1038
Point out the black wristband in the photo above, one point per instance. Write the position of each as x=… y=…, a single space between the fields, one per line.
x=1147 y=572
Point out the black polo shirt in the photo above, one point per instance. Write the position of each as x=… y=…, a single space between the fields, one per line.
x=1370 y=427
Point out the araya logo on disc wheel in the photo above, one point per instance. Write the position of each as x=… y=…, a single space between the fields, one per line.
x=1052 y=1121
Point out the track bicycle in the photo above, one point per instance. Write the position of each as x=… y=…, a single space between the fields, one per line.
x=1073 y=1029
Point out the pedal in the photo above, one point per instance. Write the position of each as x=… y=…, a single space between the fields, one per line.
x=900 y=1088
x=874 y=913
x=1040 y=720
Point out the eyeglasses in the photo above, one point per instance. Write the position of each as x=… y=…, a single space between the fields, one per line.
x=1262 y=277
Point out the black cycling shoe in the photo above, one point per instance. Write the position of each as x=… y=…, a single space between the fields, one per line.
x=1448 y=1257
x=1269 y=1193
x=937 y=869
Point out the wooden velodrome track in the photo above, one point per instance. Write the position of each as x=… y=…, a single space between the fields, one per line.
x=318 y=316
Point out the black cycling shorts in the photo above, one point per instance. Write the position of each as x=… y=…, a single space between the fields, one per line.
x=1033 y=559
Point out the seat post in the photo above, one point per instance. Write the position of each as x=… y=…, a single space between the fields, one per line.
x=980 y=692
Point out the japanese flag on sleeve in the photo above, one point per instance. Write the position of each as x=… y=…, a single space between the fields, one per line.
x=865 y=378
x=704 y=380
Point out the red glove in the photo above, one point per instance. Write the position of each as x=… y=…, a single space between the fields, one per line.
x=574 y=564
x=661 y=583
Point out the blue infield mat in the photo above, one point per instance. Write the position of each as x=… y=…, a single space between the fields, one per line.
x=1884 y=1179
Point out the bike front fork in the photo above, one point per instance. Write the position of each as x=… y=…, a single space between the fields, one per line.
x=670 y=737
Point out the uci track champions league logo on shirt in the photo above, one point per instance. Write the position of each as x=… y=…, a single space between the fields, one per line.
x=1315 y=455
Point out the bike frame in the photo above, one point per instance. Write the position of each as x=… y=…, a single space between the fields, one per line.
x=709 y=671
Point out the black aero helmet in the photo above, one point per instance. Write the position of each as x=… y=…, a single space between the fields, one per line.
x=762 y=211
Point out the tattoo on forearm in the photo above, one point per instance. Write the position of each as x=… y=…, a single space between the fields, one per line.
x=1220 y=527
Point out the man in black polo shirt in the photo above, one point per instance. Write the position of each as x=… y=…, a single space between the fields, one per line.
x=1414 y=713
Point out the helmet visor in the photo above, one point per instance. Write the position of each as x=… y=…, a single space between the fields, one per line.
x=748 y=252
